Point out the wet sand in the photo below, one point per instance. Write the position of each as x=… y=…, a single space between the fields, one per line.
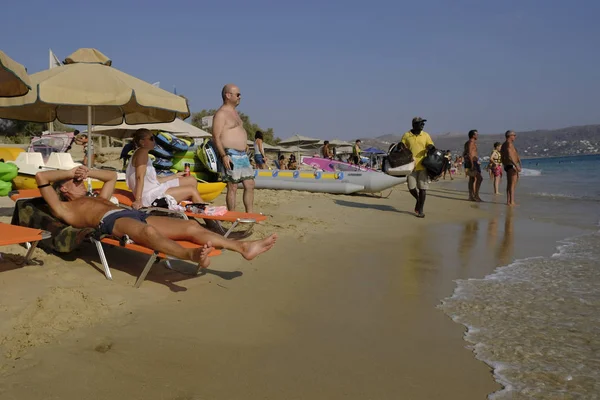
x=343 y=307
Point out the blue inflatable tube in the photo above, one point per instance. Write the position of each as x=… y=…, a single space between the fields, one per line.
x=170 y=142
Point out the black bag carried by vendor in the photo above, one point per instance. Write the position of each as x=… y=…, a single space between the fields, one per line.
x=434 y=162
x=399 y=155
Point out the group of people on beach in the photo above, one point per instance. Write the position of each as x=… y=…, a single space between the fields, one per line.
x=68 y=199
x=504 y=156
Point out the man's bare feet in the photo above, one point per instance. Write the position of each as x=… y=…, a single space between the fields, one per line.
x=478 y=199
x=471 y=199
x=251 y=249
x=200 y=255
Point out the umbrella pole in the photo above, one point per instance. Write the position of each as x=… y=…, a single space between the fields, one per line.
x=89 y=145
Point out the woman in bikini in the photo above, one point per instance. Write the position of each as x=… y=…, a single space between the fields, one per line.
x=496 y=166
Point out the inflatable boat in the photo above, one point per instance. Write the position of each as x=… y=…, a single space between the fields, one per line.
x=328 y=165
x=325 y=182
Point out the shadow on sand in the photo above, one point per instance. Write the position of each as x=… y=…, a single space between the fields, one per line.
x=380 y=207
x=133 y=263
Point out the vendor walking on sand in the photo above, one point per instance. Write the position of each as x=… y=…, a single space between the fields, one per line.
x=230 y=139
x=512 y=166
x=417 y=141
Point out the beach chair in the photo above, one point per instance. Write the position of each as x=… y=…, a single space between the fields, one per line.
x=155 y=256
x=213 y=222
x=13 y=234
x=31 y=212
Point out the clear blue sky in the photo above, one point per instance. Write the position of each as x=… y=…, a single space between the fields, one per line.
x=342 y=69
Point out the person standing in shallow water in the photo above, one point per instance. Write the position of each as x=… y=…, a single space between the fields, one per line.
x=417 y=141
x=472 y=166
x=496 y=166
x=512 y=166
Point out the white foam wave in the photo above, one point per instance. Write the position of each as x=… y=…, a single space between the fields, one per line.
x=515 y=272
x=531 y=172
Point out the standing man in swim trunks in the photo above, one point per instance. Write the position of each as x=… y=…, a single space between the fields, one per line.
x=230 y=140
x=472 y=166
x=512 y=166
x=417 y=141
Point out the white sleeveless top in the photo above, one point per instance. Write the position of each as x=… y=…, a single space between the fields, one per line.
x=257 y=149
x=153 y=189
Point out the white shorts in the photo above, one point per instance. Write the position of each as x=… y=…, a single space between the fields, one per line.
x=418 y=179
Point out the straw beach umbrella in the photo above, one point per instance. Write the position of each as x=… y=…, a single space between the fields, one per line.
x=88 y=90
x=14 y=80
x=298 y=140
x=177 y=127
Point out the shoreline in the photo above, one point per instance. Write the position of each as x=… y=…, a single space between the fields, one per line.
x=359 y=308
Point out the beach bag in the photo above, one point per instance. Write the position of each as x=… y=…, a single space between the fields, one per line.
x=167 y=201
x=434 y=162
x=399 y=155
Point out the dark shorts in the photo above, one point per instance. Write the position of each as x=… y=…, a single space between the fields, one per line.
x=355 y=160
x=258 y=159
x=107 y=223
x=509 y=167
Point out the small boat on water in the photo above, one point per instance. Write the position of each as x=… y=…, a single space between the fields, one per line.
x=340 y=182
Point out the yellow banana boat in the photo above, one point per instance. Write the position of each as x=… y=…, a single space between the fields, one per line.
x=208 y=191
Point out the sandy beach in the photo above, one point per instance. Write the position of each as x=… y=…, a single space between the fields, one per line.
x=343 y=307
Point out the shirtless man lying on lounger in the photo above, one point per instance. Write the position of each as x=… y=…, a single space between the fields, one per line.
x=65 y=193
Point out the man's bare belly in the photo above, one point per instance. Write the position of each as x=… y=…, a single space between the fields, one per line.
x=86 y=212
x=234 y=138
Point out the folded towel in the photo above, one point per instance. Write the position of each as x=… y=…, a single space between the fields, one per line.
x=215 y=210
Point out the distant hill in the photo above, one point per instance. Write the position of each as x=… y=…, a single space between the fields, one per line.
x=574 y=140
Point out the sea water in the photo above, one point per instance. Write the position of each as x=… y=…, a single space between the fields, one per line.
x=536 y=321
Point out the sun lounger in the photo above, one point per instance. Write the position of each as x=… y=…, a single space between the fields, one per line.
x=13 y=234
x=154 y=255
x=213 y=222
x=65 y=238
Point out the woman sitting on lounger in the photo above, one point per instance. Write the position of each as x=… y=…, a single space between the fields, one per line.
x=146 y=185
